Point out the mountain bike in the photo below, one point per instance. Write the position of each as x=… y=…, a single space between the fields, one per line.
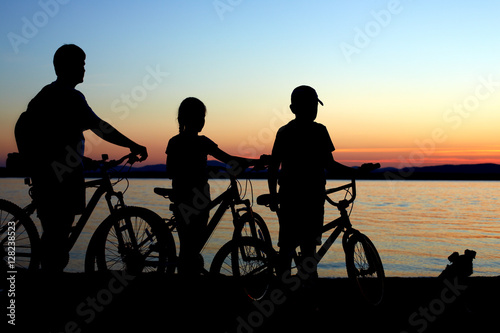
x=255 y=263
x=246 y=222
x=130 y=238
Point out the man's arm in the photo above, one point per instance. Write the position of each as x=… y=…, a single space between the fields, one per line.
x=107 y=132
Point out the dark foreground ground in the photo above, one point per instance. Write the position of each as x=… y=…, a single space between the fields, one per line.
x=122 y=303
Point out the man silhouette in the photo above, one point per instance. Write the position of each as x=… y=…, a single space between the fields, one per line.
x=49 y=136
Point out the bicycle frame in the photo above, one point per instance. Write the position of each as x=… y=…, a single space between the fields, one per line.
x=228 y=199
x=103 y=187
x=363 y=262
x=340 y=224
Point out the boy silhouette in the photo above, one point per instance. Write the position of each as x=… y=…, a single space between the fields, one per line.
x=303 y=148
x=49 y=136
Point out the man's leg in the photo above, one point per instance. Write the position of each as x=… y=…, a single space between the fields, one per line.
x=56 y=224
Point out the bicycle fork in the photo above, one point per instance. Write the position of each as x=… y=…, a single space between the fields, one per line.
x=128 y=246
x=254 y=233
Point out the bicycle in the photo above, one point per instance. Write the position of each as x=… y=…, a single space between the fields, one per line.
x=130 y=238
x=248 y=224
x=255 y=263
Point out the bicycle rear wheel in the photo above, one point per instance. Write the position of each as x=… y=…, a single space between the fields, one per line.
x=249 y=262
x=133 y=239
x=19 y=240
x=364 y=266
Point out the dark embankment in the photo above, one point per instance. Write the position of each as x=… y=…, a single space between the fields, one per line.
x=122 y=303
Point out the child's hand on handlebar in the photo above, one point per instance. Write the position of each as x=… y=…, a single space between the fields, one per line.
x=262 y=162
x=141 y=151
x=265 y=159
x=368 y=167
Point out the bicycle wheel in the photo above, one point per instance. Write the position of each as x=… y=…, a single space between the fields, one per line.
x=19 y=240
x=252 y=225
x=132 y=239
x=365 y=267
x=249 y=262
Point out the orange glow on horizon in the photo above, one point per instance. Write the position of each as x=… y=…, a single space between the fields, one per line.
x=387 y=157
x=412 y=157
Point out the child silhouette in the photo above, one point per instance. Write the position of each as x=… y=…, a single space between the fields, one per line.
x=303 y=149
x=187 y=167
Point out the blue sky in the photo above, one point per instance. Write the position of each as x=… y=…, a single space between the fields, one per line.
x=387 y=71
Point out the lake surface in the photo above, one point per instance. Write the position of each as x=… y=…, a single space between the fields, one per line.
x=415 y=225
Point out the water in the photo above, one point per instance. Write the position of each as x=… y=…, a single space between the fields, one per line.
x=415 y=225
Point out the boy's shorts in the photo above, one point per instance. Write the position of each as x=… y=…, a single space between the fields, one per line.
x=300 y=218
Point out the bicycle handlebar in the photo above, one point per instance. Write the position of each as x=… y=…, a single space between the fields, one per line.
x=352 y=185
x=368 y=167
x=106 y=165
x=265 y=199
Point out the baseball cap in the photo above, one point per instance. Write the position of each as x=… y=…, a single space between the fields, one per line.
x=304 y=93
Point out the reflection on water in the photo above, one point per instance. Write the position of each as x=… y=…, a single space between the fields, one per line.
x=415 y=225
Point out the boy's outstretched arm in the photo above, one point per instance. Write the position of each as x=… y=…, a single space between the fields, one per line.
x=340 y=169
x=337 y=168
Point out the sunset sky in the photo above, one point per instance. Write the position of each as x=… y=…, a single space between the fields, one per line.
x=404 y=83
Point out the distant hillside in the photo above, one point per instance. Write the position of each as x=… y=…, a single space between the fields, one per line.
x=488 y=171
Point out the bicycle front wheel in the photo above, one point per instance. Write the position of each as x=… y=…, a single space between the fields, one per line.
x=132 y=239
x=252 y=225
x=249 y=262
x=19 y=240
x=364 y=266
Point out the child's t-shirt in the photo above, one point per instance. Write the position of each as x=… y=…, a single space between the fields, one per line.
x=303 y=150
x=187 y=160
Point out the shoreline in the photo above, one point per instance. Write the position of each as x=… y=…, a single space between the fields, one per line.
x=478 y=171
x=383 y=177
x=78 y=302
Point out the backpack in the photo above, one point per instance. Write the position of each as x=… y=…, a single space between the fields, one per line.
x=21 y=163
x=16 y=166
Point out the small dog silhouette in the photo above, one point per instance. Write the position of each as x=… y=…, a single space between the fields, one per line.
x=461 y=265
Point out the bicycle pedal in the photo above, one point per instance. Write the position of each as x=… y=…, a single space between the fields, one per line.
x=155 y=247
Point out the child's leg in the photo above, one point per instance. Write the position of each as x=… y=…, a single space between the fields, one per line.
x=194 y=224
x=285 y=261
x=309 y=264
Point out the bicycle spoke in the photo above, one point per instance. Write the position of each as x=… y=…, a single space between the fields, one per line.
x=365 y=267
x=26 y=240
x=130 y=243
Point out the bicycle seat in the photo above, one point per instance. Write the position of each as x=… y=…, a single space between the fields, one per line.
x=264 y=199
x=165 y=192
